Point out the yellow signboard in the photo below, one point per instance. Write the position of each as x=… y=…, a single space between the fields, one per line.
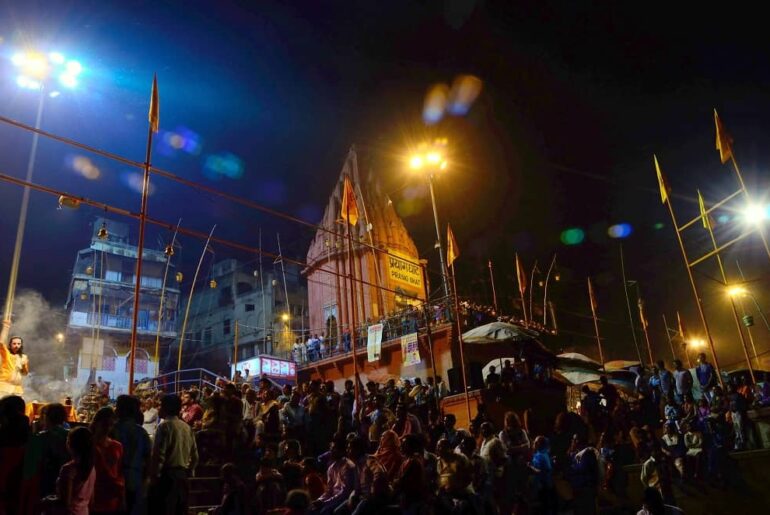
x=403 y=270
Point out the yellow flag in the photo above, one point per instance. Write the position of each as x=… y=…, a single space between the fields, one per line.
x=724 y=141
x=681 y=325
x=154 y=115
x=349 y=205
x=521 y=276
x=452 y=250
x=664 y=189
x=708 y=223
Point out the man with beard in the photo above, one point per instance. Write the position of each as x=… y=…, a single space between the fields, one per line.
x=13 y=367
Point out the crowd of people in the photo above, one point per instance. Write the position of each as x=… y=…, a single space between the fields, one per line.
x=313 y=449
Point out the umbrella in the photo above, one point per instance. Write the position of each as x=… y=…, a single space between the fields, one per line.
x=576 y=361
x=620 y=364
x=496 y=332
x=577 y=377
x=496 y=339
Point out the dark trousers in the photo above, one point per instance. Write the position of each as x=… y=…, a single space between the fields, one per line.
x=169 y=496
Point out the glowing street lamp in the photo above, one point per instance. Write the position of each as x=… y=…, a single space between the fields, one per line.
x=39 y=72
x=736 y=291
x=431 y=159
x=285 y=317
x=755 y=214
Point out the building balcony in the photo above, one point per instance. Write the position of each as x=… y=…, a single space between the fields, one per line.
x=119 y=323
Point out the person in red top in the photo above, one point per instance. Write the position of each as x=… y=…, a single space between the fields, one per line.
x=109 y=488
x=191 y=410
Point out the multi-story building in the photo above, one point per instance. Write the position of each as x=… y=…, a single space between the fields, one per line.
x=236 y=293
x=101 y=301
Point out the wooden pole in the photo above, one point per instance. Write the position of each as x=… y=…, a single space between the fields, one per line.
x=695 y=293
x=596 y=321
x=668 y=336
x=492 y=281
x=545 y=291
x=235 y=348
x=734 y=310
x=163 y=295
x=187 y=309
x=628 y=304
x=429 y=333
x=139 y=257
x=461 y=344
x=353 y=331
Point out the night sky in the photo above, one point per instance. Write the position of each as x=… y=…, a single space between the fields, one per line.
x=575 y=102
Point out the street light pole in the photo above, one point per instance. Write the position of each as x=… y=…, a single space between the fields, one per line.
x=9 y=298
x=438 y=237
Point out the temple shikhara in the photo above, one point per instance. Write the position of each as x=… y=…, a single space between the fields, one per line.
x=395 y=270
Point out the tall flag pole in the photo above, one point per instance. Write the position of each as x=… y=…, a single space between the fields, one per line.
x=664 y=195
x=724 y=144
x=680 y=324
x=169 y=254
x=645 y=326
x=628 y=303
x=531 y=289
x=521 y=279
x=492 y=281
x=668 y=336
x=349 y=212
x=545 y=291
x=708 y=225
x=452 y=253
x=154 y=119
x=592 y=299
x=187 y=308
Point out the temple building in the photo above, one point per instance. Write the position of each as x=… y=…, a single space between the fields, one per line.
x=378 y=229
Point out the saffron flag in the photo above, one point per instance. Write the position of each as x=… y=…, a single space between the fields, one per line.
x=643 y=318
x=681 y=326
x=452 y=250
x=521 y=277
x=708 y=223
x=349 y=205
x=724 y=141
x=592 y=297
x=664 y=189
x=154 y=115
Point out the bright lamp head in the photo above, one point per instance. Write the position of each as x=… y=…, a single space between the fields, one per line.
x=755 y=214
x=67 y=80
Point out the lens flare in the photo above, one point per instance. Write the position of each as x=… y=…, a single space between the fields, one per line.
x=85 y=167
x=619 y=231
x=573 y=236
x=435 y=103
x=465 y=90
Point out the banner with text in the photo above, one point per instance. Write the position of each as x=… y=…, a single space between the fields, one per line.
x=410 y=351
x=401 y=270
x=374 y=342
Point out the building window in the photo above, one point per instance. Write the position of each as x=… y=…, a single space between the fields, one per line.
x=249 y=307
x=225 y=296
x=226 y=326
x=113 y=275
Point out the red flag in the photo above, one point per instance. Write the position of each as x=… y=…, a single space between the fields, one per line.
x=349 y=205
x=154 y=115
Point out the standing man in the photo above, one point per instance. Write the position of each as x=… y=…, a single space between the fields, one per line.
x=682 y=381
x=13 y=367
x=706 y=375
x=174 y=457
x=666 y=380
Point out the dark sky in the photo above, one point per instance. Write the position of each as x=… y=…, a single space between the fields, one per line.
x=576 y=99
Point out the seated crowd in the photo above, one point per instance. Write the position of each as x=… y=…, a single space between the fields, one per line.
x=313 y=449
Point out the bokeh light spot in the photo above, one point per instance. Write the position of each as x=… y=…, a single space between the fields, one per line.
x=134 y=181
x=573 y=236
x=619 y=231
x=723 y=219
x=658 y=226
x=85 y=167
x=465 y=90
x=223 y=165
x=435 y=103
